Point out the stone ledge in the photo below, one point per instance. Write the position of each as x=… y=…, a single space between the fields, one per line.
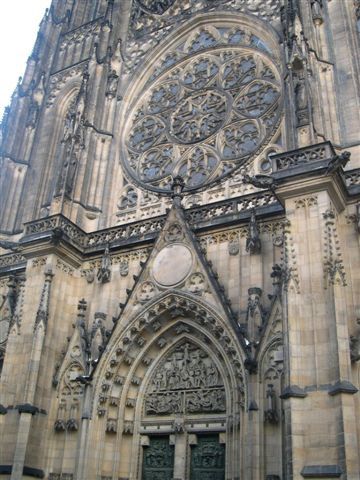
x=3 y=410
x=28 y=471
x=293 y=391
x=27 y=408
x=321 y=471
x=343 y=386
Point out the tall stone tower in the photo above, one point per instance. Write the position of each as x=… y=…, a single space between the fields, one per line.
x=179 y=233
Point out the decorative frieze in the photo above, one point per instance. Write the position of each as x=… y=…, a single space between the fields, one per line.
x=334 y=269
x=64 y=267
x=306 y=202
x=290 y=273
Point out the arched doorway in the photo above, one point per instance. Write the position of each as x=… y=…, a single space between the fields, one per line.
x=186 y=396
x=174 y=394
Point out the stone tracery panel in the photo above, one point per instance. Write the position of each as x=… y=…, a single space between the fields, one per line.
x=210 y=111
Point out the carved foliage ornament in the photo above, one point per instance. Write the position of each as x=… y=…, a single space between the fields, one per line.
x=157 y=7
x=206 y=116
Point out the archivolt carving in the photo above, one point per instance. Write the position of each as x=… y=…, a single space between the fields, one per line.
x=206 y=114
x=159 y=327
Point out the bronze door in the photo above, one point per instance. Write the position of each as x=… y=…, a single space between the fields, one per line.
x=207 y=459
x=158 y=460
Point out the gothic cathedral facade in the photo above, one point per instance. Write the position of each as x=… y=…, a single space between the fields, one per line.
x=179 y=243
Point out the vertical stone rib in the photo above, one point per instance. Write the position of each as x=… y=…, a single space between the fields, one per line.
x=26 y=410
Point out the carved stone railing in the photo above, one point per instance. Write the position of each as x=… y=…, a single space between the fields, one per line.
x=221 y=209
x=146 y=229
x=301 y=156
x=50 y=224
x=352 y=177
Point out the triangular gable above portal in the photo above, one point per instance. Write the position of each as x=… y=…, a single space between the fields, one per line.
x=177 y=263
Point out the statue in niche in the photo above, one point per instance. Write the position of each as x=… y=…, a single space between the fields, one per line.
x=36 y=99
x=33 y=114
x=112 y=84
x=124 y=268
x=104 y=272
x=253 y=242
x=66 y=178
x=73 y=140
x=271 y=414
x=301 y=98
x=316 y=11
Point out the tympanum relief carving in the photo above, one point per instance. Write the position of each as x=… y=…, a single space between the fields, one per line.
x=187 y=381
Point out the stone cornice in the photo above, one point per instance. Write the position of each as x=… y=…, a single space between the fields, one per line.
x=296 y=173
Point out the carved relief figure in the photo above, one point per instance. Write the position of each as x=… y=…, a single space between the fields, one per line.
x=186 y=381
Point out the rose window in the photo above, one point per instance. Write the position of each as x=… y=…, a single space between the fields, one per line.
x=204 y=117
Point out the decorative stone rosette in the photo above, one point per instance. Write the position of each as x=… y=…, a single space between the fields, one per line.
x=205 y=116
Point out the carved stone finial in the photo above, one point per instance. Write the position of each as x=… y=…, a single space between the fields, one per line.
x=43 y=310
x=177 y=188
x=253 y=242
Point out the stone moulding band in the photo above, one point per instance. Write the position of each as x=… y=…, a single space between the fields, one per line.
x=28 y=471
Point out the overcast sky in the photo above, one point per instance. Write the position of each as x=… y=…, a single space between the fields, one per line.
x=19 y=23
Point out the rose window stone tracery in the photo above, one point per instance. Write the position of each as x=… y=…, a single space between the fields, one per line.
x=205 y=116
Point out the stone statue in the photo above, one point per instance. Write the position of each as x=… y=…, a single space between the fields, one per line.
x=112 y=84
x=271 y=414
x=316 y=11
x=104 y=272
x=253 y=242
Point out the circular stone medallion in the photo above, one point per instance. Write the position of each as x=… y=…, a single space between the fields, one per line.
x=172 y=265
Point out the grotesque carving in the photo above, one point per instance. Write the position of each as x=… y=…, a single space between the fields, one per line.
x=196 y=283
x=146 y=292
x=174 y=233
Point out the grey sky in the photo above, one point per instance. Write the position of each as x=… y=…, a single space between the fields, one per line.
x=19 y=23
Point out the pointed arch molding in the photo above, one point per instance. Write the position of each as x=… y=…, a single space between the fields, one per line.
x=127 y=366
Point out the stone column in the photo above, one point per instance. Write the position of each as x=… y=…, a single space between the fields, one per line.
x=179 y=455
x=27 y=409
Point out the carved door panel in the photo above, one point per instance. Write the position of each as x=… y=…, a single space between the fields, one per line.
x=158 y=460
x=207 y=459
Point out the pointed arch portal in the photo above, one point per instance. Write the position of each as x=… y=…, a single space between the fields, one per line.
x=172 y=389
